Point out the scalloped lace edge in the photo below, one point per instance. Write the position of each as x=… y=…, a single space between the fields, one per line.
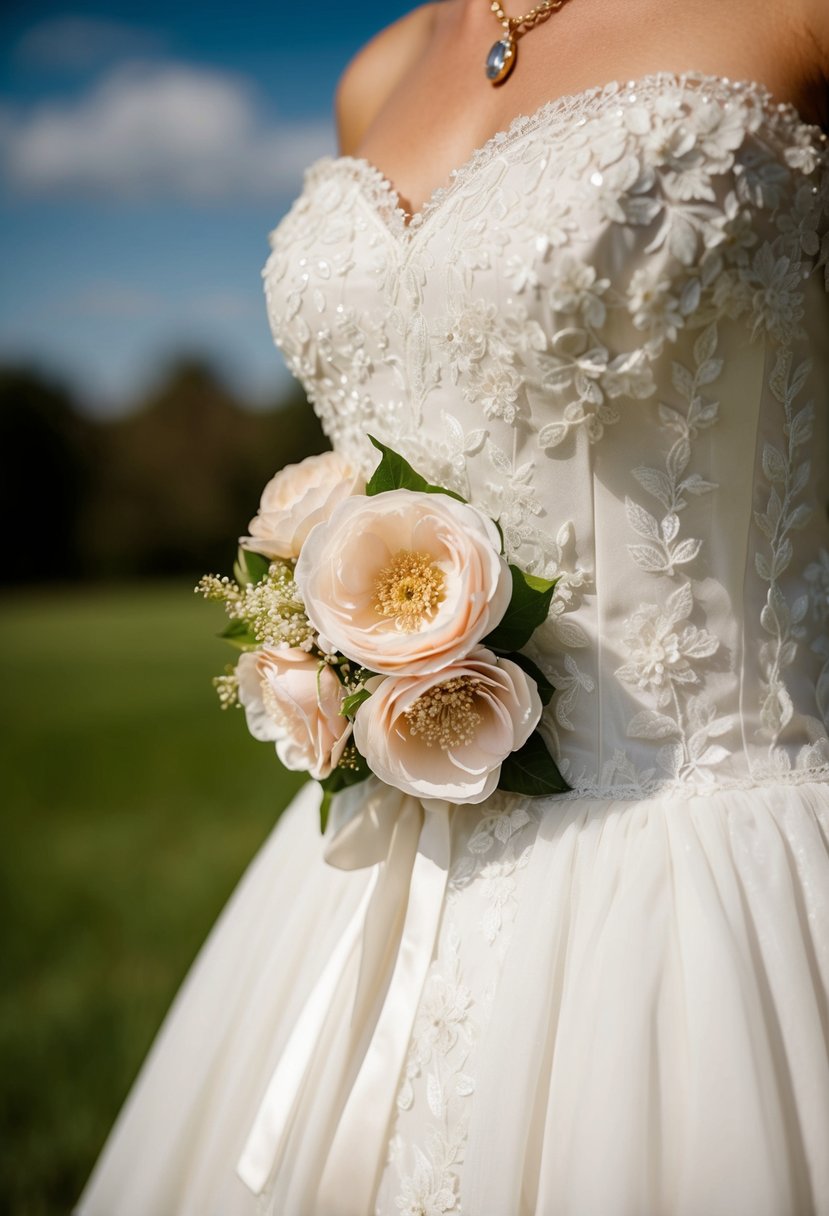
x=780 y=116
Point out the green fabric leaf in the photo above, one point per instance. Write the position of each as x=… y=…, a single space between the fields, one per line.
x=250 y=567
x=532 y=770
x=339 y=779
x=325 y=807
x=238 y=635
x=257 y=565
x=353 y=702
x=395 y=473
x=528 y=608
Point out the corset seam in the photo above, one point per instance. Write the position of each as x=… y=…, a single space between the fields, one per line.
x=748 y=566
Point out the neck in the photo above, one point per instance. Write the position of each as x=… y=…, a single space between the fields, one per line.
x=472 y=18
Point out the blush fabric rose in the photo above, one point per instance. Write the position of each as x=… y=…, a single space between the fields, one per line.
x=404 y=582
x=296 y=499
x=290 y=701
x=446 y=734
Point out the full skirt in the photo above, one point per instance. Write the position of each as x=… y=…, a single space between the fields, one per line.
x=563 y=1007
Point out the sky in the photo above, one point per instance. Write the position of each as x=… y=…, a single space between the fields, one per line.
x=146 y=150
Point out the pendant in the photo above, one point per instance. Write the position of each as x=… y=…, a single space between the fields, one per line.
x=501 y=59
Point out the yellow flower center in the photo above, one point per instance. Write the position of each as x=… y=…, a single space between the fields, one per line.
x=446 y=714
x=409 y=589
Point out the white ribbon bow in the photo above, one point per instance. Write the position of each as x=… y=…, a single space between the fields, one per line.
x=408 y=843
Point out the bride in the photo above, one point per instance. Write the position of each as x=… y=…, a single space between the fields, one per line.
x=599 y=312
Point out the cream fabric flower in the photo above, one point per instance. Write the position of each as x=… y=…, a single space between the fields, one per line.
x=446 y=734
x=404 y=582
x=298 y=497
x=292 y=701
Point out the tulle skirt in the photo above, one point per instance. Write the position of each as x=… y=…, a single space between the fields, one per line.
x=569 y=1007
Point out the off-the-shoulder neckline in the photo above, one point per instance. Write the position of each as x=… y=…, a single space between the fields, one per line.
x=584 y=103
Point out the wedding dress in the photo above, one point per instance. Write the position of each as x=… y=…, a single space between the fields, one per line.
x=610 y=333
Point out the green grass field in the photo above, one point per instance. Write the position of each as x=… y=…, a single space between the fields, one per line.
x=132 y=804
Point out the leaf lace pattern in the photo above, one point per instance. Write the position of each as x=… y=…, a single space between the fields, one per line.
x=806 y=139
x=665 y=649
x=426 y=1147
x=602 y=332
x=606 y=331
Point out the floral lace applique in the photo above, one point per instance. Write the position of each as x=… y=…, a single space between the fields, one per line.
x=431 y=1189
x=529 y=340
x=664 y=647
x=439 y=1073
x=599 y=333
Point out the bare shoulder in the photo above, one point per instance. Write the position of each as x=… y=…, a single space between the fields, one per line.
x=372 y=74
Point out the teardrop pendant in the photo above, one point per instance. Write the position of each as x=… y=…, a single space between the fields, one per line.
x=501 y=59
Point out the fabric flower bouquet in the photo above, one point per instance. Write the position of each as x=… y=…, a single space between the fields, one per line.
x=381 y=627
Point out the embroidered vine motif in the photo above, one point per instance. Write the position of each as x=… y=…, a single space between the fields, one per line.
x=609 y=252
x=513 y=497
x=440 y=1066
x=664 y=646
x=497 y=868
x=444 y=1019
x=560 y=634
x=575 y=335
x=662 y=550
x=445 y=456
x=664 y=650
x=787 y=472
x=431 y=1188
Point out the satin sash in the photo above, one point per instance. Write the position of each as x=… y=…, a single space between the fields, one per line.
x=351 y=1172
x=370 y=824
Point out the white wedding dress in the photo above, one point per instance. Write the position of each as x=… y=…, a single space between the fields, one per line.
x=611 y=332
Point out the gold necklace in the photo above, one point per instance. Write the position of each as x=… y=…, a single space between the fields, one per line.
x=501 y=59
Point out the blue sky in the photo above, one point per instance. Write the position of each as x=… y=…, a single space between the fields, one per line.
x=145 y=152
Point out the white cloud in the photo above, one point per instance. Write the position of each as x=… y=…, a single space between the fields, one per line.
x=76 y=43
x=159 y=131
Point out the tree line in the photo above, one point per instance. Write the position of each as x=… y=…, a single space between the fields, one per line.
x=162 y=491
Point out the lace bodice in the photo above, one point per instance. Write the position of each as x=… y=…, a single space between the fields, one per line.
x=610 y=332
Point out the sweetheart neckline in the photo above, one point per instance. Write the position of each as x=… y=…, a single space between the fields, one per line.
x=577 y=104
